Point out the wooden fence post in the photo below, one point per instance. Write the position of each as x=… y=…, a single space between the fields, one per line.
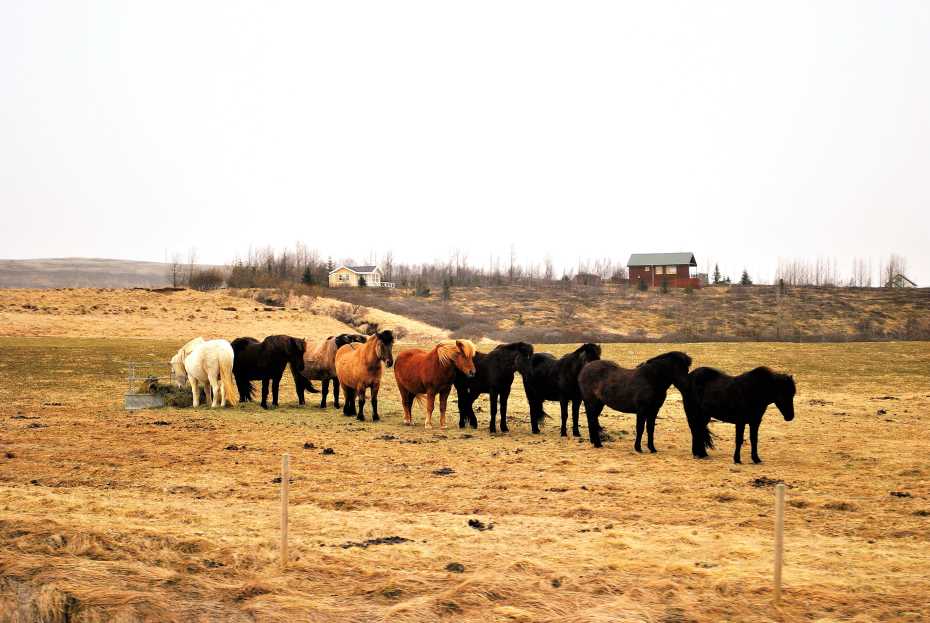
x=779 y=537
x=285 y=482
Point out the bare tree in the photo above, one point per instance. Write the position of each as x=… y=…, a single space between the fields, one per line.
x=548 y=270
x=175 y=270
x=896 y=265
x=387 y=265
x=191 y=262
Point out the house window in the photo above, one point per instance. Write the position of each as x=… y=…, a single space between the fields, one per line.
x=343 y=277
x=646 y=268
x=671 y=270
x=660 y=270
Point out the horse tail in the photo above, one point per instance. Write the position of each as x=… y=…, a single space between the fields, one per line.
x=708 y=437
x=229 y=381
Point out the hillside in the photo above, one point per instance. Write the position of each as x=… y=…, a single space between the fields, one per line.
x=82 y=272
x=573 y=313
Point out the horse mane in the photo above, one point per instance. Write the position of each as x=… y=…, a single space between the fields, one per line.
x=521 y=348
x=681 y=357
x=775 y=377
x=447 y=349
x=592 y=350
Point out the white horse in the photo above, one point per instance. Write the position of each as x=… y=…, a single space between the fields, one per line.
x=208 y=364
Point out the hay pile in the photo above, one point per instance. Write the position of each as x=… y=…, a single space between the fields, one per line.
x=174 y=396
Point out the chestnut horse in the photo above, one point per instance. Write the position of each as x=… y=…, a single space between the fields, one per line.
x=432 y=372
x=358 y=367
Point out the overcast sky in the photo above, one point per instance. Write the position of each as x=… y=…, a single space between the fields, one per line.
x=741 y=131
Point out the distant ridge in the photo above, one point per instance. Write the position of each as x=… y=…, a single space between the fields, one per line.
x=82 y=272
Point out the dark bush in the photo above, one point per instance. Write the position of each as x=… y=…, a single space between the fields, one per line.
x=207 y=279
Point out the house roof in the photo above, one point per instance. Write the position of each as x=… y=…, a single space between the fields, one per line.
x=659 y=259
x=361 y=270
x=901 y=277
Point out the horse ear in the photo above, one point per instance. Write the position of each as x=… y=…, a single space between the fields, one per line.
x=460 y=346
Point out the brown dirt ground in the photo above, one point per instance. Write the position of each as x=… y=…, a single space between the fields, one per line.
x=171 y=515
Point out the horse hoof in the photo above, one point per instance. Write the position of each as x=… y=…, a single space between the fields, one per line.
x=561 y=433
x=376 y=418
x=360 y=418
x=757 y=460
x=576 y=433
x=653 y=450
x=640 y=450
x=504 y=429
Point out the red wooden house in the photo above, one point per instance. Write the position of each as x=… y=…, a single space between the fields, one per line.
x=654 y=268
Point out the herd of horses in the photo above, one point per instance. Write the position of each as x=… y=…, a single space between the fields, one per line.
x=355 y=363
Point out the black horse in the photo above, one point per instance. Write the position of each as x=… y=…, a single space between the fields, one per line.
x=494 y=373
x=738 y=400
x=548 y=378
x=265 y=361
x=641 y=391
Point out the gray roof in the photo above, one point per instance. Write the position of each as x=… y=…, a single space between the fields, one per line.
x=357 y=269
x=662 y=259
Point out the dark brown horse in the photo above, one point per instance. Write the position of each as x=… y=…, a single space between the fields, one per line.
x=640 y=390
x=432 y=372
x=265 y=361
x=739 y=400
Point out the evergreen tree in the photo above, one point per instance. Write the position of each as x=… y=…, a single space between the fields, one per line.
x=717 y=278
x=643 y=286
x=744 y=280
x=308 y=279
x=361 y=281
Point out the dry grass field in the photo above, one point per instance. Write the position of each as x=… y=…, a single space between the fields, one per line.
x=564 y=313
x=171 y=515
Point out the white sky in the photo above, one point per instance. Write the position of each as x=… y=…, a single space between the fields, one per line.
x=742 y=131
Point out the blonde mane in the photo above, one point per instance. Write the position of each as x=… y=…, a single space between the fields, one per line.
x=447 y=349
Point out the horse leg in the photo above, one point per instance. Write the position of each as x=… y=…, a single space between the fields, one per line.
x=650 y=431
x=406 y=399
x=640 y=427
x=535 y=414
x=264 y=393
x=740 y=429
x=348 y=400
x=592 y=410
x=326 y=391
x=443 y=399
x=208 y=392
x=275 y=383
x=754 y=439
x=195 y=391
x=503 y=400
x=361 y=404
x=492 y=400
x=374 y=403
x=563 y=405
x=576 y=406
x=298 y=386
x=430 y=402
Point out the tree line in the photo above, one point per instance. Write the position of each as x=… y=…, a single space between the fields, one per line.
x=268 y=267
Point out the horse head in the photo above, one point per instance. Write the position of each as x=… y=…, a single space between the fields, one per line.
x=520 y=351
x=785 y=390
x=672 y=365
x=588 y=352
x=295 y=349
x=385 y=346
x=178 y=369
x=463 y=357
x=348 y=338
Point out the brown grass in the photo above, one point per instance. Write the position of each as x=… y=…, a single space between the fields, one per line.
x=564 y=313
x=171 y=515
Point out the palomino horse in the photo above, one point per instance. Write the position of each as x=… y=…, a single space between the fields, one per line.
x=432 y=372
x=738 y=400
x=641 y=391
x=358 y=367
x=320 y=365
x=210 y=364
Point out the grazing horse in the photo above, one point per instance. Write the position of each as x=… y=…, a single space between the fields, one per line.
x=211 y=365
x=548 y=378
x=738 y=400
x=432 y=372
x=265 y=361
x=640 y=390
x=358 y=367
x=320 y=365
x=494 y=373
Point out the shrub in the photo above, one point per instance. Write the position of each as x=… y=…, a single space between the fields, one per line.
x=642 y=286
x=663 y=287
x=362 y=282
x=207 y=279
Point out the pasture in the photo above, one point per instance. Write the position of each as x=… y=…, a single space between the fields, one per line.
x=171 y=515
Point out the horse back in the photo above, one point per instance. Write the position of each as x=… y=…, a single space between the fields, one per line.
x=419 y=371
